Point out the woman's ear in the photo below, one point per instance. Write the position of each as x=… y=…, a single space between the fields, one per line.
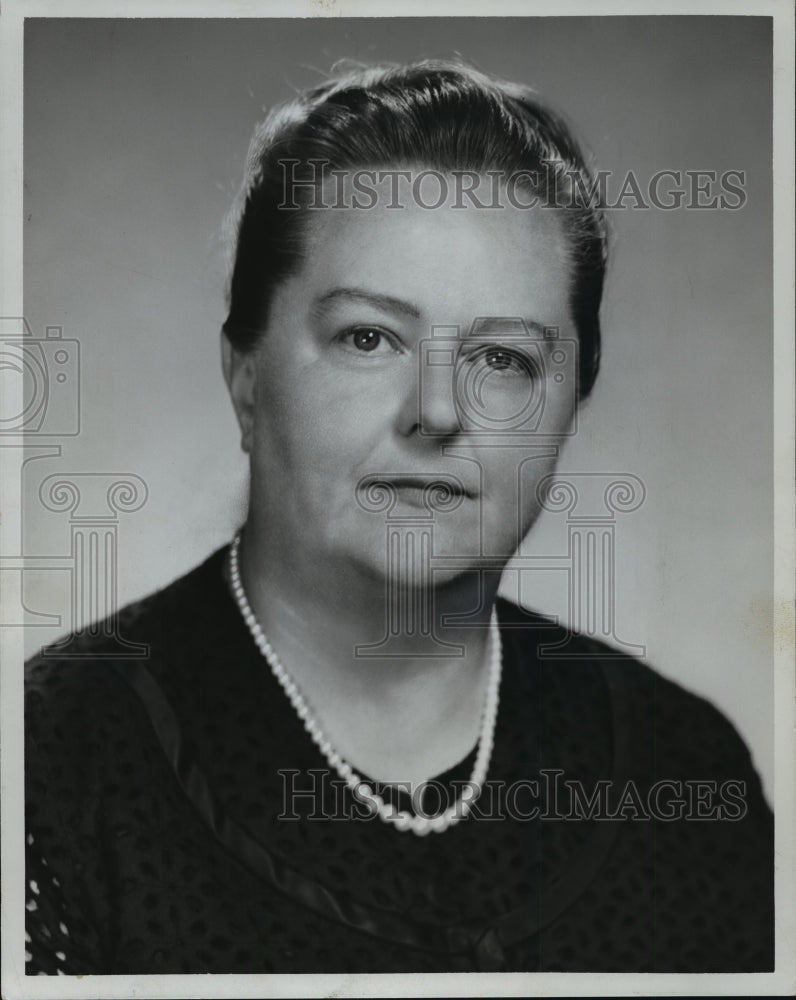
x=241 y=378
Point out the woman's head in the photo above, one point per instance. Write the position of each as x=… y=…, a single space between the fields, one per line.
x=491 y=139
x=387 y=334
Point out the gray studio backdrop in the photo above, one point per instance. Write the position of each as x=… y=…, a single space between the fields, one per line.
x=135 y=137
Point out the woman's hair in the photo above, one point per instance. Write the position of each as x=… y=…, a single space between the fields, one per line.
x=443 y=116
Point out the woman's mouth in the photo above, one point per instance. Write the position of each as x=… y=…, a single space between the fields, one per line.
x=436 y=492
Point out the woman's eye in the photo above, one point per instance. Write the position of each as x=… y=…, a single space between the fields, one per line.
x=500 y=361
x=368 y=340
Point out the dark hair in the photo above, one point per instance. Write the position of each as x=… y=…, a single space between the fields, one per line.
x=442 y=115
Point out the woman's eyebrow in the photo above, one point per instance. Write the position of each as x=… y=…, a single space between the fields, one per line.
x=385 y=302
x=512 y=326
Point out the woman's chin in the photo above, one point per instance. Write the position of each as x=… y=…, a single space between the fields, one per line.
x=417 y=561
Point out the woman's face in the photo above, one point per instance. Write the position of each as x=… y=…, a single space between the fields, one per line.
x=348 y=387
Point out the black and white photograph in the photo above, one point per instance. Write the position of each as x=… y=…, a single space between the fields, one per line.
x=397 y=552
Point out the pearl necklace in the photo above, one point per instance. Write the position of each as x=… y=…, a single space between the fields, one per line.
x=399 y=819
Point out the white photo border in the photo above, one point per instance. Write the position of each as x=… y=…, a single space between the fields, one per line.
x=14 y=983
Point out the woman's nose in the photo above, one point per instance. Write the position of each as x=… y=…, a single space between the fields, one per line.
x=429 y=407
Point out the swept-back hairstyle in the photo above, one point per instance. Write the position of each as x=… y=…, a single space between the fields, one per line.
x=443 y=116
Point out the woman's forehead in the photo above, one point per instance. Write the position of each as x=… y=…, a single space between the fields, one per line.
x=505 y=262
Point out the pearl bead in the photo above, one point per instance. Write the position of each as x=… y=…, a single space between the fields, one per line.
x=402 y=821
x=421 y=826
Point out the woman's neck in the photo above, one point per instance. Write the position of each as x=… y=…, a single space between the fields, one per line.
x=398 y=696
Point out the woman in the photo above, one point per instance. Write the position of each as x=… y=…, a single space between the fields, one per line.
x=345 y=752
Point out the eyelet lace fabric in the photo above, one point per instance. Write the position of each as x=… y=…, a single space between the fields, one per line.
x=158 y=838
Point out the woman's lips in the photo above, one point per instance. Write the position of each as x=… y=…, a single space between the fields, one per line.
x=434 y=492
x=420 y=494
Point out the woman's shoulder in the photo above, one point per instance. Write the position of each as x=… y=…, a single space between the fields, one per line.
x=78 y=691
x=652 y=716
x=137 y=631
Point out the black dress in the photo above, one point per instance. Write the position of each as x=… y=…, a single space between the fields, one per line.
x=623 y=828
